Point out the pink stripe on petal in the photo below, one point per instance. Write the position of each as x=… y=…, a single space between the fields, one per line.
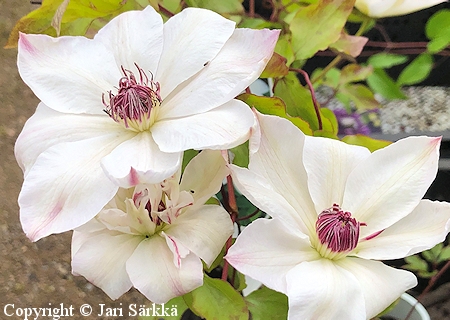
x=25 y=44
x=53 y=214
x=134 y=177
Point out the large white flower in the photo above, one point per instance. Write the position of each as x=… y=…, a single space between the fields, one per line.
x=152 y=237
x=336 y=209
x=391 y=8
x=121 y=108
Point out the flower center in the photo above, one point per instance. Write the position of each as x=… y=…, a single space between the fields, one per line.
x=135 y=103
x=337 y=231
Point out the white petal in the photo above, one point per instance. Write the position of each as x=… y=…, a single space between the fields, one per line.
x=203 y=176
x=68 y=74
x=267 y=251
x=66 y=187
x=221 y=128
x=48 y=127
x=83 y=234
x=153 y=273
x=276 y=153
x=409 y=6
x=389 y=184
x=191 y=38
x=102 y=258
x=203 y=231
x=134 y=37
x=179 y=251
x=238 y=64
x=322 y=290
x=390 y=8
x=139 y=160
x=261 y=193
x=328 y=163
x=422 y=229
x=381 y=285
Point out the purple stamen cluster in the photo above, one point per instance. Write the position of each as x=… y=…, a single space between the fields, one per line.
x=337 y=229
x=134 y=100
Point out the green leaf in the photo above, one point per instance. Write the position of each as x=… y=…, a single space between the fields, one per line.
x=437 y=30
x=273 y=106
x=328 y=116
x=427 y=274
x=417 y=71
x=438 y=24
x=438 y=44
x=361 y=96
x=265 y=304
x=365 y=141
x=355 y=73
x=241 y=155
x=318 y=25
x=222 y=7
x=429 y=256
x=386 y=60
x=350 y=45
x=246 y=208
x=416 y=263
x=217 y=262
x=331 y=79
x=284 y=48
x=298 y=101
x=79 y=18
x=187 y=156
x=444 y=254
x=176 y=306
x=436 y=250
x=217 y=300
x=276 y=67
x=258 y=23
x=380 y=82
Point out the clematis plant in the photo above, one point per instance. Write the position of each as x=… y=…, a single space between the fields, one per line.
x=152 y=236
x=336 y=209
x=120 y=109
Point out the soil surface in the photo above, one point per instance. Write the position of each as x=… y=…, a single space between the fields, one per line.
x=34 y=275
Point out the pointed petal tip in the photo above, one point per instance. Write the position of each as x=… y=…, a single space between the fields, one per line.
x=25 y=44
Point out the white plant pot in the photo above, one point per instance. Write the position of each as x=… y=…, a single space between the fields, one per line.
x=402 y=309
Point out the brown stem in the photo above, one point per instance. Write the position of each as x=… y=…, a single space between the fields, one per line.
x=313 y=95
x=165 y=11
x=248 y=216
x=233 y=214
x=251 y=8
x=443 y=53
x=382 y=44
x=383 y=32
x=274 y=15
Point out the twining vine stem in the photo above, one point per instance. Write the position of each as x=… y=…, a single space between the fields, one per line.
x=313 y=95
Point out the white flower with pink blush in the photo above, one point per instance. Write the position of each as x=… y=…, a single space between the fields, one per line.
x=153 y=236
x=336 y=209
x=120 y=109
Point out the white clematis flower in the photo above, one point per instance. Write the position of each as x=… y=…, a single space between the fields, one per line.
x=391 y=8
x=152 y=237
x=121 y=108
x=336 y=209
